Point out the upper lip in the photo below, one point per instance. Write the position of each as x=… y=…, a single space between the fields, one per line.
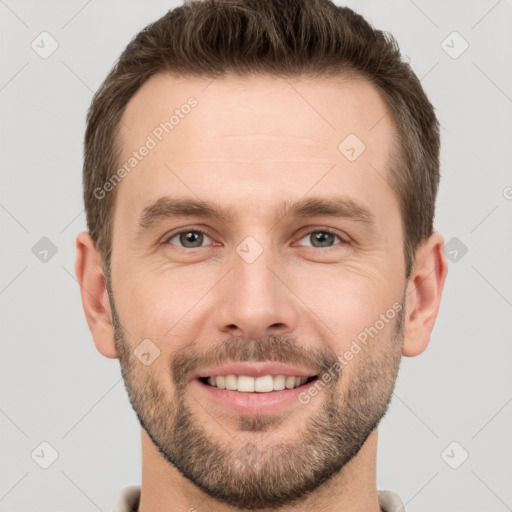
x=255 y=370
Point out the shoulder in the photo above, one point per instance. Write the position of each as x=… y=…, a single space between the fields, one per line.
x=390 y=502
x=128 y=499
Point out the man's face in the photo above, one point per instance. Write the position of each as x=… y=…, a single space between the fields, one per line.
x=260 y=284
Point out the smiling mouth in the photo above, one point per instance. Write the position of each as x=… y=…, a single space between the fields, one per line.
x=263 y=384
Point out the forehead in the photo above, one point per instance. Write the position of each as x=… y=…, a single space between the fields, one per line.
x=265 y=136
x=230 y=110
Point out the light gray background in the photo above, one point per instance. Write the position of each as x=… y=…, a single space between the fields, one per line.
x=57 y=388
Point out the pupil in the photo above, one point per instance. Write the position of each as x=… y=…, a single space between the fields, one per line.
x=322 y=237
x=191 y=237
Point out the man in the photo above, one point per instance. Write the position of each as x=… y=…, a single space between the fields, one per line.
x=260 y=180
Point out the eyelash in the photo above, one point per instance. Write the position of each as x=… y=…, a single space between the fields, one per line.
x=195 y=230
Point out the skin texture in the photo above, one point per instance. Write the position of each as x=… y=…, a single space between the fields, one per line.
x=248 y=145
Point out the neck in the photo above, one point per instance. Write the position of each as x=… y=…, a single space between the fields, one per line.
x=354 y=489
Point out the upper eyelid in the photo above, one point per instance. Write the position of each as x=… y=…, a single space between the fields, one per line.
x=306 y=231
x=204 y=231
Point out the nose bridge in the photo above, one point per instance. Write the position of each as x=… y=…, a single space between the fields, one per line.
x=253 y=298
x=252 y=265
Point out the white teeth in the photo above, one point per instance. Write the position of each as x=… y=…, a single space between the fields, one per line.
x=279 y=382
x=245 y=384
x=231 y=382
x=261 y=384
x=290 y=382
x=264 y=384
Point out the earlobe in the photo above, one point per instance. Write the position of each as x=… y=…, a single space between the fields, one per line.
x=89 y=272
x=424 y=291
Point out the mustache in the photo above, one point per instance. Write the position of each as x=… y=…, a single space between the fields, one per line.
x=237 y=349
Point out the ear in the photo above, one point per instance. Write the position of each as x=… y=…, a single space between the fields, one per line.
x=424 y=290
x=89 y=272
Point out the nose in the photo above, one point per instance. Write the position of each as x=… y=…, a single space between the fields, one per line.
x=255 y=299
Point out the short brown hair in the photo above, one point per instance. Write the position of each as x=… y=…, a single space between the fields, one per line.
x=314 y=38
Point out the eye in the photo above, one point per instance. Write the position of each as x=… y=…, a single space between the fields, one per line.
x=322 y=238
x=189 y=238
x=195 y=238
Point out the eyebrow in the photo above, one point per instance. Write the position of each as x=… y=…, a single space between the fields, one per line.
x=332 y=206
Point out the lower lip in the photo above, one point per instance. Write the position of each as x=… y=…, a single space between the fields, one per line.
x=255 y=402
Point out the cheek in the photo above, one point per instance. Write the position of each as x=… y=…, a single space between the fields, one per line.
x=161 y=303
x=346 y=301
x=355 y=312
